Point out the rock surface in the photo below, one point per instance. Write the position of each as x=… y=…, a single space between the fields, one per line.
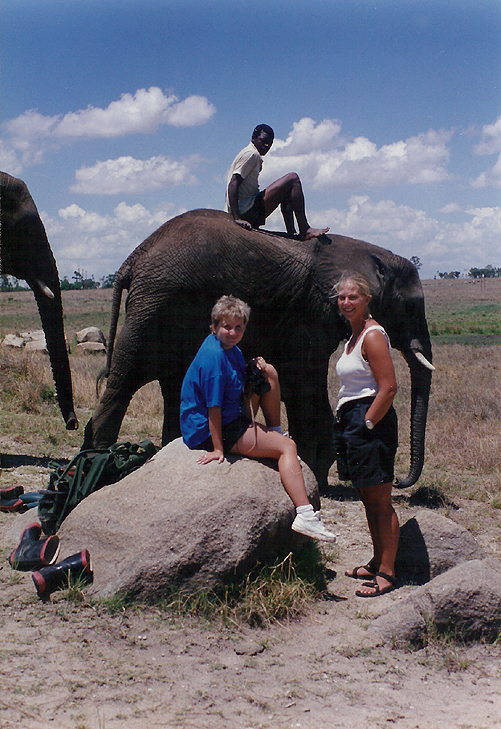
x=431 y=544
x=90 y=334
x=13 y=340
x=174 y=523
x=464 y=601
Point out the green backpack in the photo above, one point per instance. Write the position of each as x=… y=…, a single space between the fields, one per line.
x=87 y=472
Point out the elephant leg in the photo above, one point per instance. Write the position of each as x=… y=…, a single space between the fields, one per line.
x=311 y=421
x=171 y=392
x=103 y=428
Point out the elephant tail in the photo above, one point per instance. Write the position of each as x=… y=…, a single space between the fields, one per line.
x=120 y=284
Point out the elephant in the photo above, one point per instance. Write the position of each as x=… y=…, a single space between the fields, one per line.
x=175 y=276
x=26 y=254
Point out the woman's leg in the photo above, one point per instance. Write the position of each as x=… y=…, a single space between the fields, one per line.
x=384 y=528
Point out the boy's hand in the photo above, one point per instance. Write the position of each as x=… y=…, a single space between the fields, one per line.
x=211 y=456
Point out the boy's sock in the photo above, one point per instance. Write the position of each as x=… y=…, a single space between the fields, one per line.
x=305 y=509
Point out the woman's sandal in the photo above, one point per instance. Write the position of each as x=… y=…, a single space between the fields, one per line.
x=378 y=591
x=371 y=571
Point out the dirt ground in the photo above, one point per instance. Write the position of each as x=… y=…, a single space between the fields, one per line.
x=75 y=665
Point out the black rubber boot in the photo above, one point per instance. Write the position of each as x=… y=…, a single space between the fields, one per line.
x=12 y=505
x=33 y=552
x=11 y=492
x=58 y=576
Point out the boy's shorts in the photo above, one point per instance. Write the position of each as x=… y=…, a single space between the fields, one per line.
x=256 y=215
x=232 y=432
x=365 y=457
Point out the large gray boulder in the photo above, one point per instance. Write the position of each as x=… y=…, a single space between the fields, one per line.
x=464 y=601
x=431 y=544
x=176 y=524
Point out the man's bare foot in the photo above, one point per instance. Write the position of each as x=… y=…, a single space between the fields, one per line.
x=314 y=233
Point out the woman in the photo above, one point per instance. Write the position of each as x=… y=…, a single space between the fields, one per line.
x=218 y=418
x=366 y=430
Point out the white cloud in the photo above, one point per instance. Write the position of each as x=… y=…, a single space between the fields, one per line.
x=450 y=208
x=489 y=144
x=98 y=243
x=490 y=178
x=491 y=139
x=407 y=231
x=307 y=136
x=326 y=161
x=127 y=175
x=9 y=161
x=32 y=134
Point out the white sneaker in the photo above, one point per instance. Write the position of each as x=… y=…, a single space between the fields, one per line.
x=311 y=526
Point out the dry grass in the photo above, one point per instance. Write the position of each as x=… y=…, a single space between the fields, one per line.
x=27 y=399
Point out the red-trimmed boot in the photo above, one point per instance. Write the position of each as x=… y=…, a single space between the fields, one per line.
x=33 y=552
x=59 y=576
x=9 y=498
x=11 y=492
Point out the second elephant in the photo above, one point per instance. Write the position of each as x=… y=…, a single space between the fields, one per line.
x=26 y=254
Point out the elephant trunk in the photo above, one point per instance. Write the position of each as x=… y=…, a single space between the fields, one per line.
x=420 y=394
x=51 y=314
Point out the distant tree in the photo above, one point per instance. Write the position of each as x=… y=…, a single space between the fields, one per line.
x=416 y=261
x=89 y=283
x=10 y=283
x=80 y=282
x=487 y=272
x=107 y=282
x=78 y=278
x=451 y=274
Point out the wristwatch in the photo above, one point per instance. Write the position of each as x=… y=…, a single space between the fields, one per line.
x=369 y=424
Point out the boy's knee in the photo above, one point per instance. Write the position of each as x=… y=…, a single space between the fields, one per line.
x=271 y=371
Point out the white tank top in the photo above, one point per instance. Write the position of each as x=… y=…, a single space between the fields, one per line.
x=357 y=378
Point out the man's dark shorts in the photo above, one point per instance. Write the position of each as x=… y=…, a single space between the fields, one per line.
x=365 y=457
x=232 y=432
x=256 y=214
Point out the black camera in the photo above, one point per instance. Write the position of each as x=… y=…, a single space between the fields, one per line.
x=256 y=380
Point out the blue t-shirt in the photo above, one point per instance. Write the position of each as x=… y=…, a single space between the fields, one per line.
x=215 y=377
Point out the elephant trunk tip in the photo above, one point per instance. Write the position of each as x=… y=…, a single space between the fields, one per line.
x=72 y=422
x=410 y=480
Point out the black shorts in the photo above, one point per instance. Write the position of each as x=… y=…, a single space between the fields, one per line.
x=232 y=432
x=365 y=457
x=256 y=215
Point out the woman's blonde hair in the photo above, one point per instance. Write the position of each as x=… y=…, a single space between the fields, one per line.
x=360 y=282
x=228 y=306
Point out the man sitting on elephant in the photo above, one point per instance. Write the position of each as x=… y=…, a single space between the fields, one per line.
x=249 y=206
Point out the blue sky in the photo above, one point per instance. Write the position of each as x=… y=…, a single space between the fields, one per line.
x=120 y=114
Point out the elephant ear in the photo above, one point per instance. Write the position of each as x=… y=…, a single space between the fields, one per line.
x=356 y=256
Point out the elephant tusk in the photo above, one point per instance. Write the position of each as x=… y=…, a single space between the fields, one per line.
x=421 y=358
x=45 y=289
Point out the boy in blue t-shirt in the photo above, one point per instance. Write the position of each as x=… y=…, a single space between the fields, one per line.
x=217 y=417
